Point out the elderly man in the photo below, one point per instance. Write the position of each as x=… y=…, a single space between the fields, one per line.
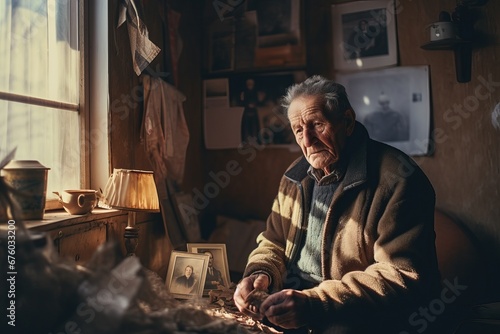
x=349 y=245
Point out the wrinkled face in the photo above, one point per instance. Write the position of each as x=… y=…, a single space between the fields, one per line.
x=320 y=139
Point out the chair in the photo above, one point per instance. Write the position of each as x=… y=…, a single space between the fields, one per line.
x=461 y=261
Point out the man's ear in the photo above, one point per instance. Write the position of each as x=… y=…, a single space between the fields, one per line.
x=350 y=120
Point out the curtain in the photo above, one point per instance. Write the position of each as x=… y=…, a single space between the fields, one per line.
x=40 y=58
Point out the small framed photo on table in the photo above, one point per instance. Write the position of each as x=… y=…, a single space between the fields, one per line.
x=364 y=35
x=217 y=272
x=186 y=274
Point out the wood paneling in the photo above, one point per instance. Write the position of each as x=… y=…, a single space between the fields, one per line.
x=249 y=193
x=124 y=100
x=126 y=148
x=77 y=238
x=464 y=167
x=79 y=244
x=153 y=248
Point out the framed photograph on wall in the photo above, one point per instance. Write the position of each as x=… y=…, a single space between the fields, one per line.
x=279 y=33
x=218 y=268
x=221 y=46
x=186 y=274
x=263 y=121
x=257 y=34
x=254 y=116
x=364 y=35
x=393 y=104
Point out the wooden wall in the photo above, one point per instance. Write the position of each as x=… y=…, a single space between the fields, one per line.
x=465 y=165
x=125 y=103
x=464 y=168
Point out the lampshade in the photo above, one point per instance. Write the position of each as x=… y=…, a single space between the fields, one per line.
x=130 y=189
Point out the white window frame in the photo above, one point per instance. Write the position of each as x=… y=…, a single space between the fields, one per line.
x=97 y=136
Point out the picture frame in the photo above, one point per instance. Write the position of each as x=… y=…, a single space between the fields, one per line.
x=220 y=266
x=221 y=46
x=254 y=116
x=257 y=34
x=364 y=35
x=393 y=104
x=177 y=282
x=280 y=40
x=263 y=121
x=188 y=216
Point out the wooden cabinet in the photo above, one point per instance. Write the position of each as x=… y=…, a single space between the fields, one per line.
x=80 y=241
x=76 y=238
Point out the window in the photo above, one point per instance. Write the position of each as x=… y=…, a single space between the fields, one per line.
x=40 y=86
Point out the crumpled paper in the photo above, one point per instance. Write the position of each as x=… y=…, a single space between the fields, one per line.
x=109 y=294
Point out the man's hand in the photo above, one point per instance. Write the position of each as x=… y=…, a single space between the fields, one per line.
x=244 y=288
x=287 y=309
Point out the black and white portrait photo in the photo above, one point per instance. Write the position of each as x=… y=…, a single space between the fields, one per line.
x=393 y=104
x=383 y=122
x=364 y=35
x=186 y=274
x=218 y=268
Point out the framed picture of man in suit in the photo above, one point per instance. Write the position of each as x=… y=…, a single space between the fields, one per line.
x=217 y=272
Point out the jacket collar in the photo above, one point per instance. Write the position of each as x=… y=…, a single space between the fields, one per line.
x=356 y=172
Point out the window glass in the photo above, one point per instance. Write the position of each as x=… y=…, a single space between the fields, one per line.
x=48 y=135
x=40 y=59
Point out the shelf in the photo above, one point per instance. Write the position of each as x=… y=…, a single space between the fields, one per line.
x=462 y=50
x=446 y=44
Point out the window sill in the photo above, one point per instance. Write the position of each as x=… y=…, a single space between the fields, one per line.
x=52 y=204
x=60 y=218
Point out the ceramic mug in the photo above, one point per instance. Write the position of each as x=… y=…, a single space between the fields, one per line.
x=78 y=202
x=442 y=30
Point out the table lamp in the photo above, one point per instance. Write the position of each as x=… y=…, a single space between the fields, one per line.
x=133 y=191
